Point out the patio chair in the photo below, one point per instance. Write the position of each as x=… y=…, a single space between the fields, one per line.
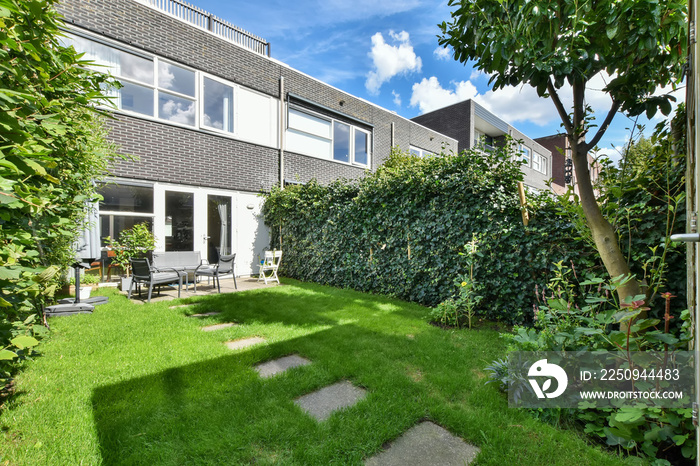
x=271 y=263
x=143 y=273
x=223 y=267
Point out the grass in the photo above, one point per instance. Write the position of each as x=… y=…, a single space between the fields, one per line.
x=142 y=384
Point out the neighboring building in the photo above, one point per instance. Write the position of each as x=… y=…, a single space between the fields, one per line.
x=213 y=121
x=559 y=147
x=469 y=122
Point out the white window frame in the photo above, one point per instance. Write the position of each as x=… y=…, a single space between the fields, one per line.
x=525 y=155
x=541 y=162
x=332 y=121
x=200 y=112
x=155 y=89
x=415 y=150
x=195 y=99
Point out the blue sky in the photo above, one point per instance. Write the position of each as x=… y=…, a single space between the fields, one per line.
x=386 y=51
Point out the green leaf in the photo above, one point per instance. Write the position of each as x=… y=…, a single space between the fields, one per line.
x=24 y=341
x=629 y=415
x=7 y=355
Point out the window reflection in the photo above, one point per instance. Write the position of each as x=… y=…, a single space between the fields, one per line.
x=218 y=105
x=176 y=109
x=176 y=79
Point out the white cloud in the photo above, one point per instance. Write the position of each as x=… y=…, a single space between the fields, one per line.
x=429 y=95
x=512 y=104
x=391 y=60
x=476 y=74
x=397 y=98
x=442 y=53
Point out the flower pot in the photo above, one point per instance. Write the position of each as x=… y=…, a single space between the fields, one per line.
x=125 y=284
x=85 y=292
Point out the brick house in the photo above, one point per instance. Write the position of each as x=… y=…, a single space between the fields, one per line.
x=212 y=121
x=559 y=147
x=468 y=122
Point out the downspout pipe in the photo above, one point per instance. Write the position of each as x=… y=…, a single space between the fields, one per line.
x=282 y=125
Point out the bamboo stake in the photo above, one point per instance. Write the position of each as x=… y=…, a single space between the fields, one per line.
x=523 y=203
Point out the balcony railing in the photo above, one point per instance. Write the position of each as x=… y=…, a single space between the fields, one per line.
x=205 y=20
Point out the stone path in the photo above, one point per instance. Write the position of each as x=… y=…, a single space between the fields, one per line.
x=274 y=367
x=206 y=314
x=212 y=328
x=423 y=444
x=244 y=343
x=322 y=403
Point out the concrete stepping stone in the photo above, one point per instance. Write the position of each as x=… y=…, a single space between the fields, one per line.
x=270 y=368
x=244 y=343
x=206 y=314
x=426 y=443
x=212 y=328
x=322 y=403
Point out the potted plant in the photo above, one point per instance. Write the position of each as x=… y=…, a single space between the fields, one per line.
x=86 y=284
x=137 y=241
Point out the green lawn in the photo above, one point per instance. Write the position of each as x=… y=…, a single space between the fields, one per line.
x=142 y=384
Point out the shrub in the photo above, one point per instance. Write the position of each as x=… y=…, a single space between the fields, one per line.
x=584 y=314
x=400 y=231
x=52 y=148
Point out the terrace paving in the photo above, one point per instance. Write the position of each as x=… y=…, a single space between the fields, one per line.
x=168 y=293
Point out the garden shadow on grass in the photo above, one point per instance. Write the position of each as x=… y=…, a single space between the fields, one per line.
x=221 y=411
x=303 y=305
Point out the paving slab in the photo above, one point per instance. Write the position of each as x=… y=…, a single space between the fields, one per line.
x=206 y=314
x=322 y=403
x=244 y=343
x=215 y=327
x=426 y=443
x=270 y=368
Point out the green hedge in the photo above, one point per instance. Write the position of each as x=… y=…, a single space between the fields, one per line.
x=399 y=231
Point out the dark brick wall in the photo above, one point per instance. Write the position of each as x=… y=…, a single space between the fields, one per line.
x=173 y=154
x=453 y=121
x=179 y=155
x=553 y=144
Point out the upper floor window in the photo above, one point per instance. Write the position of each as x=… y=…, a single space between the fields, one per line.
x=217 y=105
x=324 y=137
x=525 y=153
x=418 y=151
x=539 y=163
x=176 y=93
x=157 y=88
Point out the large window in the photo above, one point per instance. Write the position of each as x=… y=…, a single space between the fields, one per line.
x=176 y=92
x=324 y=137
x=419 y=152
x=122 y=207
x=341 y=142
x=525 y=153
x=539 y=163
x=217 y=105
x=309 y=134
x=158 y=88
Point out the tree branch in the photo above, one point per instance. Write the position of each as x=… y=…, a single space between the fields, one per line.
x=560 y=107
x=601 y=130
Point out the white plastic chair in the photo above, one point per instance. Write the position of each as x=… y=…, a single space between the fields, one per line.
x=270 y=263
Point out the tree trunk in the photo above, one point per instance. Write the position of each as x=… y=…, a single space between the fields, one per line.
x=604 y=235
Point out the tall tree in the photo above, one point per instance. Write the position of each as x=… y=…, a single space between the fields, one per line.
x=557 y=46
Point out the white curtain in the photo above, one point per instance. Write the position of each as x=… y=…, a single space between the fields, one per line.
x=223 y=214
